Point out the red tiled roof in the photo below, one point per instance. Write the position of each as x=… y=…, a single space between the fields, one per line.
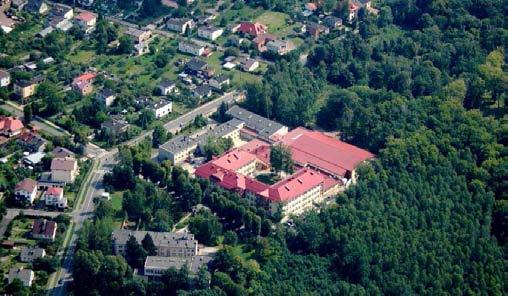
x=295 y=185
x=324 y=152
x=85 y=77
x=54 y=191
x=259 y=148
x=86 y=16
x=27 y=185
x=311 y=6
x=234 y=160
x=263 y=38
x=45 y=227
x=253 y=29
x=10 y=124
x=63 y=164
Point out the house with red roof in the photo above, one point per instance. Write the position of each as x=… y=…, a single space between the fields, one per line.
x=54 y=196
x=25 y=191
x=64 y=169
x=10 y=126
x=44 y=229
x=252 y=29
x=84 y=83
x=86 y=20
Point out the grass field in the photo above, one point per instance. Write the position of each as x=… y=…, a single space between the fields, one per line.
x=276 y=22
x=116 y=200
x=20 y=231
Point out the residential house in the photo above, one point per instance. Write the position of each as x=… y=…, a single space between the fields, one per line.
x=26 y=88
x=141 y=49
x=45 y=32
x=25 y=191
x=26 y=276
x=356 y=5
x=156 y=266
x=87 y=3
x=161 y=108
x=5 y=78
x=18 y=4
x=198 y=68
x=191 y=48
x=60 y=22
x=167 y=244
x=64 y=169
x=33 y=159
x=180 y=25
x=30 y=254
x=60 y=152
x=54 y=196
x=167 y=87
x=84 y=83
x=332 y=22
x=249 y=65
x=115 y=125
x=37 y=7
x=219 y=81
x=44 y=229
x=62 y=10
x=261 y=40
x=139 y=36
x=202 y=91
x=10 y=126
x=86 y=20
x=280 y=47
x=210 y=32
x=31 y=141
x=106 y=96
x=170 y=3
x=315 y=30
x=252 y=29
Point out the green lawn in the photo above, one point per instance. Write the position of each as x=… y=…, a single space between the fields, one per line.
x=277 y=22
x=20 y=230
x=116 y=200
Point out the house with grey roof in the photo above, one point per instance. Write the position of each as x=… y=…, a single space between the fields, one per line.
x=26 y=276
x=181 y=147
x=29 y=254
x=168 y=244
x=202 y=91
x=180 y=25
x=257 y=126
x=155 y=266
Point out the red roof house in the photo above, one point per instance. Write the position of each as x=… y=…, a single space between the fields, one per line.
x=253 y=29
x=10 y=126
x=44 y=229
x=85 y=77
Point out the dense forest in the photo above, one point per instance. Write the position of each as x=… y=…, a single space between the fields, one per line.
x=423 y=85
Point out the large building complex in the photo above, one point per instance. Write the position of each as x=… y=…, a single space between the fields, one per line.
x=324 y=165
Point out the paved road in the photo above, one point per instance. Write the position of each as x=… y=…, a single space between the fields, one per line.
x=106 y=161
x=207 y=109
x=82 y=212
x=37 y=122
